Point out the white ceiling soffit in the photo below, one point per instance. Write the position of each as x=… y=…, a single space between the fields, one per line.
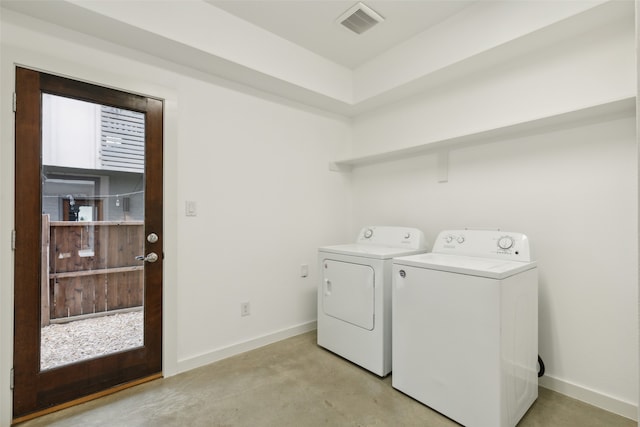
x=313 y=24
x=152 y=37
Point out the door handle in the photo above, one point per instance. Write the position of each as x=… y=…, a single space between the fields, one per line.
x=152 y=257
x=327 y=287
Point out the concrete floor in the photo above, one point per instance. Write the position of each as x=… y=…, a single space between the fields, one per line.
x=291 y=383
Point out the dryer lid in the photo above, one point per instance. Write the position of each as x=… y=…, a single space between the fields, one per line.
x=369 y=251
x=382 y=242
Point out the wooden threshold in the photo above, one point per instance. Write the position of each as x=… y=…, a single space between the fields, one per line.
x=88 y=398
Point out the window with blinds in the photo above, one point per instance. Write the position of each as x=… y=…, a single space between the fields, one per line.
x=122 y=140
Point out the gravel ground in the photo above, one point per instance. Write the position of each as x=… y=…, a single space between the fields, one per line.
x=83 y=339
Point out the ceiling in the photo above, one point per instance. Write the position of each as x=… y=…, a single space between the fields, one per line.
x=312 y=24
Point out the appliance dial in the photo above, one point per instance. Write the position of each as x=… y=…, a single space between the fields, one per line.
x=368 y=233
x=407 y=235
x=505 y=242
x=448 y=239
x=460 y=239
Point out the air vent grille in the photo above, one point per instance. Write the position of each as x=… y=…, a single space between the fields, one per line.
x=360 y=18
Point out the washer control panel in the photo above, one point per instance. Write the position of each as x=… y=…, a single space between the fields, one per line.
x=484 y=243
x=400 y=237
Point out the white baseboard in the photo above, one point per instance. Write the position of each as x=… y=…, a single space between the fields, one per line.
x=222 y=353
x=592 y=397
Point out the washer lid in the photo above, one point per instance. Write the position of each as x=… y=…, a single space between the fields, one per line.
x=473 y=266
x=370 y=251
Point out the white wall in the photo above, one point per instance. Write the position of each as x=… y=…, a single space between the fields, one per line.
x=572 y=189
x=266 y=201
x=573 y=192
x=256 y=168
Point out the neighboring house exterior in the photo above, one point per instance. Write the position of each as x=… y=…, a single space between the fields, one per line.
x=93 y=161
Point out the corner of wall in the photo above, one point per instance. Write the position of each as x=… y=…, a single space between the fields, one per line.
x=203 y=359
x=592 y=397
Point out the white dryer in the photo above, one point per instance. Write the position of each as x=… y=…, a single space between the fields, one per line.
x=465 y=327
x=354 y=294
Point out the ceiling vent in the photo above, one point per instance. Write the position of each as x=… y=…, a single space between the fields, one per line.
x=359 y=18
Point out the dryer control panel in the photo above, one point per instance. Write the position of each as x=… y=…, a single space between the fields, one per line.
x=497 y=244
x=397 y=237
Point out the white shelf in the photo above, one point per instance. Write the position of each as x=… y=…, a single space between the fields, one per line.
x=604 y=111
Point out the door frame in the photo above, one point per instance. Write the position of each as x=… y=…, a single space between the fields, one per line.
x=143 y=362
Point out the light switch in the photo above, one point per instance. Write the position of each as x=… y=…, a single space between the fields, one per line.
x=190 y=208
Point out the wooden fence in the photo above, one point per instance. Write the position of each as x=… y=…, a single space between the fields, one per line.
x=90 y=267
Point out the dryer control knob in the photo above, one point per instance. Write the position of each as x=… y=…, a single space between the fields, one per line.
x=368 y=233
x=505 y=242
x=448 y=239
x=460 y=239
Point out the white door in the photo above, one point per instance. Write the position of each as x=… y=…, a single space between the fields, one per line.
x=348 y=292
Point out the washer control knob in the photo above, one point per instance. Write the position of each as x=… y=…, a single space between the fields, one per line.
x=460 y=239
x=448 y=239
x=403 y=273
x=368 y=233
x=407 y=235
x=505 y=242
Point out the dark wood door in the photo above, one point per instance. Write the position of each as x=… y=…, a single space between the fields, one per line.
x=37 y=390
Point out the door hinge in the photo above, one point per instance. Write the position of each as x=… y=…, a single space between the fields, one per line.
x=12 y=378
x=15 y=102
x=13 y=240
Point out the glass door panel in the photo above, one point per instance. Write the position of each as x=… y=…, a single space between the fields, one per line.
x=92 y=230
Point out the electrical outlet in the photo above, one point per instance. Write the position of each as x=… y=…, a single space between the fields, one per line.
x=245 y=309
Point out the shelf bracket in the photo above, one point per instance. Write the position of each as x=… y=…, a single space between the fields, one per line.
x=443 y=166
x=335 y=167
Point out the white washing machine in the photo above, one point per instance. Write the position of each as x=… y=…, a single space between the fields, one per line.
x=465 y=327
x=354 y=294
